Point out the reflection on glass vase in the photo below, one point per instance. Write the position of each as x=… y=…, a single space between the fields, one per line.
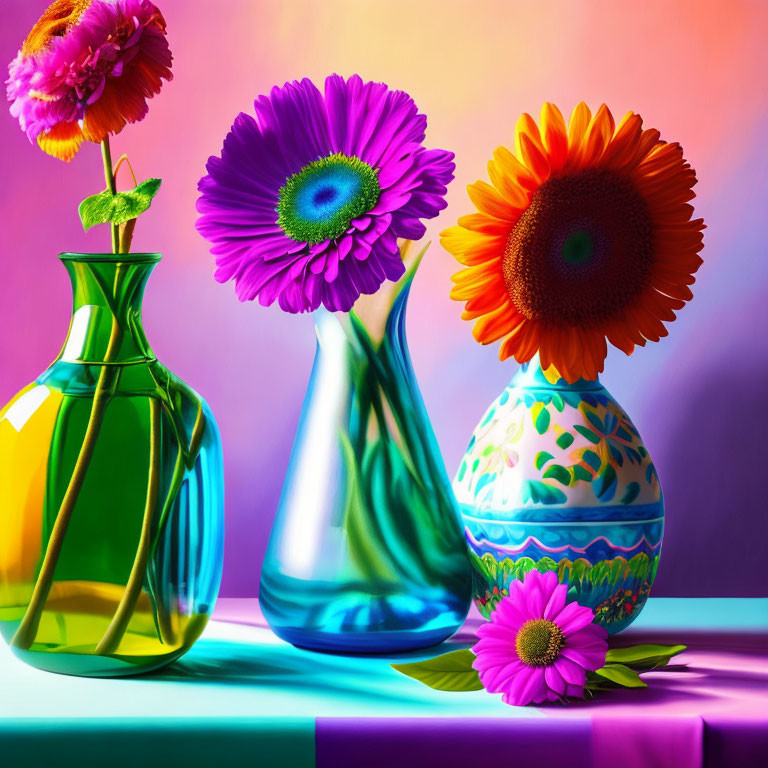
x=556 y=477
x=112 y=496
x=366 y=553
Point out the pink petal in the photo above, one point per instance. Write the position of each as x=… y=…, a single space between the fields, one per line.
x=527 y=688
x=534 y=598
x=497 y=679
x=554 y=679
x=573 y=618
x=592 y=633
x=572 y=673
x=556 y=601
x=584 y=658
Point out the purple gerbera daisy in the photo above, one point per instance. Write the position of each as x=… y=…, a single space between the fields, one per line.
x=535 y=648
x=307 y=201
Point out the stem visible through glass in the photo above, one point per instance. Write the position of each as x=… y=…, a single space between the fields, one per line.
x=27 y=630
x=119 y=623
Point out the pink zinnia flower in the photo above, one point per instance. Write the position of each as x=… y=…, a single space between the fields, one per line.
x=535 y=648
x=86 y=69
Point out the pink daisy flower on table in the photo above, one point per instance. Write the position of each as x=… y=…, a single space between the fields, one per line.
x=535 y=648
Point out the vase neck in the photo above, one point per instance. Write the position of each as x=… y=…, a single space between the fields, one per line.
x=531 y=375
x=107 y=292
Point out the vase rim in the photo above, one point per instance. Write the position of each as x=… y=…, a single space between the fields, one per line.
x=113 y=258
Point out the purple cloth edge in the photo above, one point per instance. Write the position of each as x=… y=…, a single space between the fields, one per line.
x=450 y=742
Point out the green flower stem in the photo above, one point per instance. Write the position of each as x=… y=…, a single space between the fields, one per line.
x=122 y=617
x=109 y=176
x=27 y=630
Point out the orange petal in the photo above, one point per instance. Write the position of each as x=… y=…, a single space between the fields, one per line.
x=55 y=22
x=62 y=141
x=496 y=324
x=534 y=157
x=487 y=200
x=479 y=222
x=577 y=127
x=508 y=186
x=554 y=135
x=512 y=167
x=597 y=136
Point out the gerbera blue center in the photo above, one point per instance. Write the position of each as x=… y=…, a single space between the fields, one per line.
x=321 y=200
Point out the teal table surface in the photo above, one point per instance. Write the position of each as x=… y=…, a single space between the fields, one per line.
x=241 y=696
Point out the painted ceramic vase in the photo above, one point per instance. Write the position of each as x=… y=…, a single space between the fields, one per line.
x=556 y=477
x=367 y=552
x=112 y=498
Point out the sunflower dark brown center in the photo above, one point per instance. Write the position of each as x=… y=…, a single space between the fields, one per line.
x=581 y=251
x=538 y=642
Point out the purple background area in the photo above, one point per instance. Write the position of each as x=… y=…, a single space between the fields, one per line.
x=695 y=70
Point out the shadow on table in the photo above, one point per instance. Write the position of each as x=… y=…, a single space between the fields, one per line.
x=710 y=669
x=280 y=666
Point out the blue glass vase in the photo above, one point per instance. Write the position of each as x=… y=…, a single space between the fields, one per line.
x=367 y=553
x=556 y=477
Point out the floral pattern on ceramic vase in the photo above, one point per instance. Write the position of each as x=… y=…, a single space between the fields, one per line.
x=556 y=478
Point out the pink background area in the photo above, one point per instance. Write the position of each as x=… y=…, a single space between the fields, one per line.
x=696 y=70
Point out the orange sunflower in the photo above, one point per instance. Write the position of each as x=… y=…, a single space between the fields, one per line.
x=585 y=235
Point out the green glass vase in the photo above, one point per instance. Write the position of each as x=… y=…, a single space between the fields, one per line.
x=112 y=493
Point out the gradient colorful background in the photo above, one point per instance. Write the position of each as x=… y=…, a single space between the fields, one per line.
x=696 y=70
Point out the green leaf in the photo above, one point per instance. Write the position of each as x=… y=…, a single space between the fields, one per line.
x=588 y=433
x=559 y=473
x=448 y=672
x=565 y=440
x=118 y=208
x=540 y=418
x=644 y=656
x=621 y=675
x=542 y=457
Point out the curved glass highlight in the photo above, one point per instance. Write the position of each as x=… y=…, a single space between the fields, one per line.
x=367 y=553
x=112 y=493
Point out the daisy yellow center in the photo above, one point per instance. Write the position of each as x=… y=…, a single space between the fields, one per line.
x=581 y=252
x=321 y=200
x=538 y=642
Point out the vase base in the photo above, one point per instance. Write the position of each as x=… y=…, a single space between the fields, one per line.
x=83 y=665
x=363 y=643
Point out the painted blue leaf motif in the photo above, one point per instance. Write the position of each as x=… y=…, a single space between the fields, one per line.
x=529 y=400
x=611 y=420
x=589 y=400
x=592 y=459
x=616 y=455
x=605 y=484
x=650 y=472
x=504 y=397
x=596 y=422
x=541 y=493
x=623 y=434
x=633 y=489
x=488 y=477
